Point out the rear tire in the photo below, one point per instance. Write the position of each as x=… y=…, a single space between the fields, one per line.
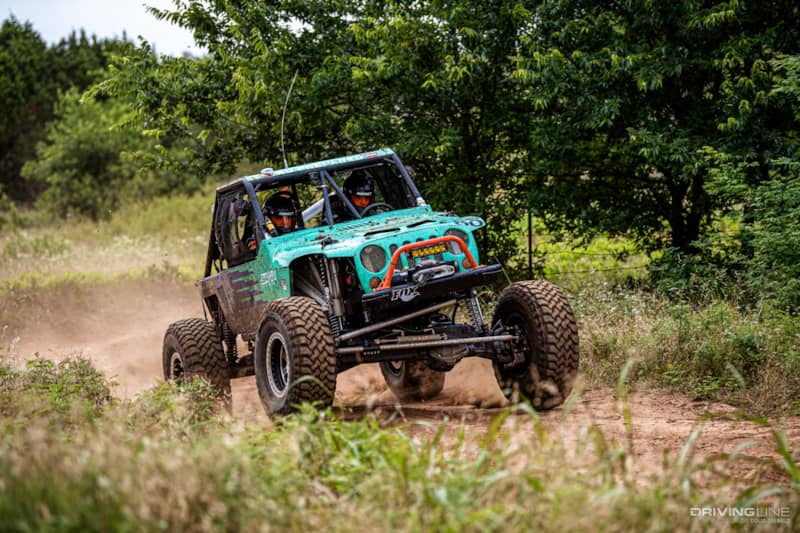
x=294 y=356
x=412 y=380
x=540 y=313
x=193 y=349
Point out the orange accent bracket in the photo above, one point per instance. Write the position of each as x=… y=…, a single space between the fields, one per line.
x=387 y=280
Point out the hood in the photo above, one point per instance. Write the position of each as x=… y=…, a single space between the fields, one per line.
x=345 y=239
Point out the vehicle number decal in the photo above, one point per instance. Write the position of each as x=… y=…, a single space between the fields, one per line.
x=406 y=294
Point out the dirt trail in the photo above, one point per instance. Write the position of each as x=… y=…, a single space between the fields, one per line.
x=121 y=328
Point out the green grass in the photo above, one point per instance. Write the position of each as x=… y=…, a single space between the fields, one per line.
x=571 y=262
x=747 y=357
x=169 y=232
x=169 y=461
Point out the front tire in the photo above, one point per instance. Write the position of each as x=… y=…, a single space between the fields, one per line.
x=192 y=348
x=540 y=314
x=412 y=380
x=294 y=356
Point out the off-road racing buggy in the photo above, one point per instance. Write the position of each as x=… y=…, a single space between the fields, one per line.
x=314 y=276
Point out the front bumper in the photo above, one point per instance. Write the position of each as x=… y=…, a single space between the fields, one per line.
x=410 y=295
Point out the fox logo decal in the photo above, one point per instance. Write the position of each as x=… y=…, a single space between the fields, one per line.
x=406 y=294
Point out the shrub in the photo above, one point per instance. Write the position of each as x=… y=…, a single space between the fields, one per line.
x=90 y=162
x=62 y=390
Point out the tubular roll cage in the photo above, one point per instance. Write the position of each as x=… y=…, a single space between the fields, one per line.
x=326 y=179
x=288 y=178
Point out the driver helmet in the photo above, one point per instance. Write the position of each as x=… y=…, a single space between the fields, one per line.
x=360 y=190
x=279 y=207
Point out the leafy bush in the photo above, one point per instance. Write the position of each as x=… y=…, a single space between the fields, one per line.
x=186 y=407
x=91 y=164
x=9 y=215
x=773 y=269
x=54 y=389
x=80 y=162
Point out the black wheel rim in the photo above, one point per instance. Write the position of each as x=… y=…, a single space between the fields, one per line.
x=175 y=366
x=277 y=358
x=515 y=323
x=395 y=368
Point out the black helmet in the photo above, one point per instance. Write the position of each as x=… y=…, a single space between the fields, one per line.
x=359 y=189
x=279 y=207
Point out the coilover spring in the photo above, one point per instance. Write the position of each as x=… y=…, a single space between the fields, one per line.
x=475 y=311
x=336 y=322
x=336 y=325
x=231 y=350
x=323 y=271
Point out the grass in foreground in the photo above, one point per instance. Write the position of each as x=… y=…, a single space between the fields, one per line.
x=71 y=458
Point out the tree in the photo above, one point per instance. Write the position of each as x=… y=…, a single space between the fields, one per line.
x=632 y=97
x=766 y=249
x=86 y=166
x=31 y=76
x=430 y=79
x=25 y=93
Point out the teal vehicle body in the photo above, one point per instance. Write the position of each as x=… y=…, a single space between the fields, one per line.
x=320 y=267
x=256 y=264
x=386 y=230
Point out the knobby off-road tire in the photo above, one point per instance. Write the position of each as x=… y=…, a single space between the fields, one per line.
x=412 y=380
x=192 y=348
x=294 y=356
x=540 y=313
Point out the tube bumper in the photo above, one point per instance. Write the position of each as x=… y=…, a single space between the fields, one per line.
x=411 y=294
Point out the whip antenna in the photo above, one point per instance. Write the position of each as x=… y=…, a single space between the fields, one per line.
x=283 y=118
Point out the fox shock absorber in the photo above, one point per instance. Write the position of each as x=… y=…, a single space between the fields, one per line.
x=330 y=277
x=475 y=311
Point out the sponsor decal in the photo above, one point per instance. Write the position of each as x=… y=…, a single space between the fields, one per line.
x=269 y=278
x=405 y=294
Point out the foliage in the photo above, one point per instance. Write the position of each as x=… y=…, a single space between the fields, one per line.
x=90 y=164
x=9 y=214
x=572 y=261
x=710 y=351
x=428 y=79
x=59 y=390
x=164 y=233
x=773 y=271
x=139 y=468
x=31 y=76
x=629 y=98
x=765 y=198
x=25 y=93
